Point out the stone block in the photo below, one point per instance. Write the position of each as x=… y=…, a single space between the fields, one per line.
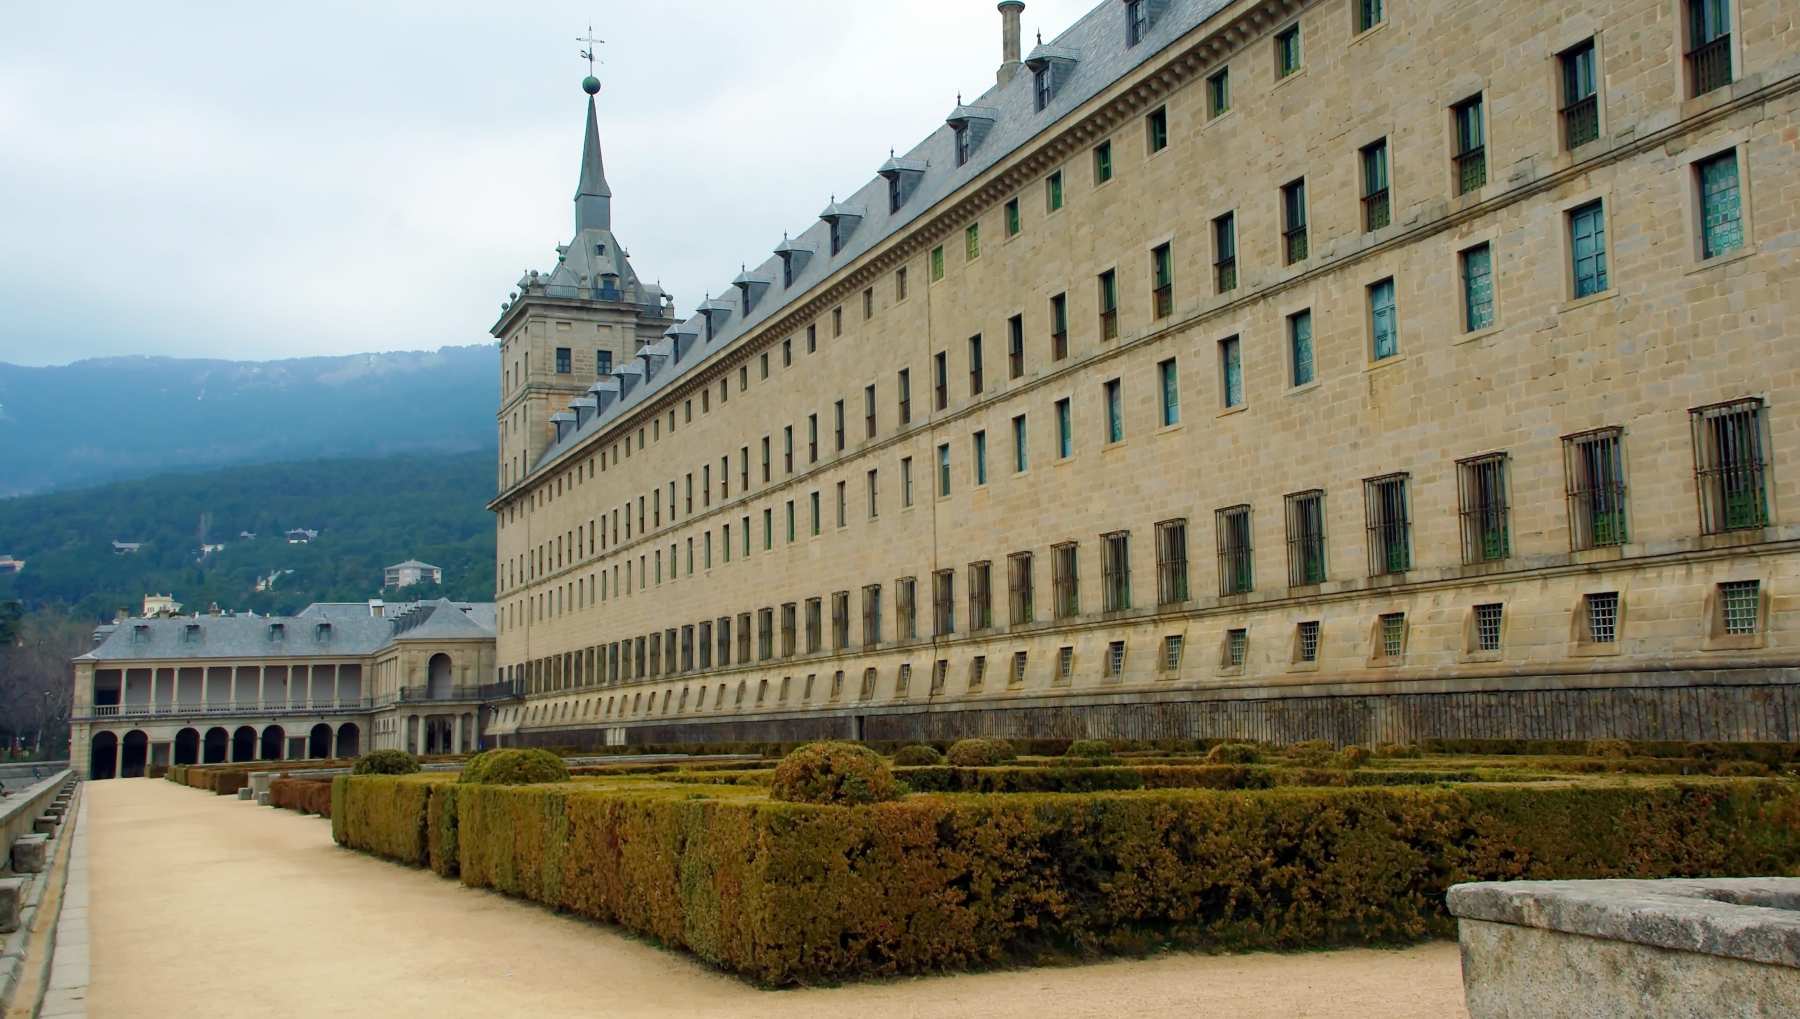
x=45 y=824
x=12 y=901
x=243 y=792
x=262 y=799
x=30 y=853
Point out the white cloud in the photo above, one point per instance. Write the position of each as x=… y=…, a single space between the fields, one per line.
x=332 y=178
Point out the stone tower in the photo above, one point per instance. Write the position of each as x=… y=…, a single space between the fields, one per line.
x=562 y=332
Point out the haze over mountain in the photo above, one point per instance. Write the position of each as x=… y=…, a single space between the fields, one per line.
x=109 y=419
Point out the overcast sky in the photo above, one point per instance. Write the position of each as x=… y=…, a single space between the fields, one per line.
x=255 y=181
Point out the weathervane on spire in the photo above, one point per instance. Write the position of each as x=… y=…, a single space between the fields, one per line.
x=590 y=84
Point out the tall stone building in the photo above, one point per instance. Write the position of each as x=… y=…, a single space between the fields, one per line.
x=1359 y=369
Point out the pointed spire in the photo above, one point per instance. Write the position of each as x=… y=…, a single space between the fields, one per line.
x=593 y=198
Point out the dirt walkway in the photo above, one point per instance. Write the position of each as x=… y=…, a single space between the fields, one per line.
x=207 y=903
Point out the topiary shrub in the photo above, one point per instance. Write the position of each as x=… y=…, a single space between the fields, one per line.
x=1397 y=750
x=1352 y=757
x=1233 y=753
x=1740 y=769
x=833 y=772
x=976 y=753
x=386 y=762
x=1608 y=748
x=1089 y=748
x=514 y=767
x=916 y=755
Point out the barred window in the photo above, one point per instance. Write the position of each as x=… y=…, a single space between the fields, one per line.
x=1065 y=663
x=1487 y=626
x=1115 y=571
x=1393 y=634
x=1235 y=569
x=1237 y=644
x=1017 y=676
x=906 y=608
x=1293 y=221
x=939 y=672
x=977 y=672
x=815 y=626
x=1580 y=102
x=943 y=602
x=1730 y=469
x=871 y=615
x=1470 y=154
x=1481 y=496
x=724 y=633
x=1375 y=205
x=1019 y=588
x=1387 y=513
x=1709 y=45
x=1115 y=658
x=1738 y=604
x=981 y=602
x=765 y=637
x=1594 y=482
x=1171 y=562
x=1602 y=617
x=1162 y=281
x=1225 y=252
x=868 y=684
x=1015 y=346
x=1059 y=327
x=1109 y=305
x=1172 y=652
x=1065 y=580
x=903 y=682
x=1306 y=538
x=1307 y=638
x=840 y=620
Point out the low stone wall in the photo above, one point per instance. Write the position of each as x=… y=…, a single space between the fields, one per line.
x=20 y=810
x=1713 y=947
x=18 y=773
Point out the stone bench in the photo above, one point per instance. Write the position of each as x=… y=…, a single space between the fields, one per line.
x=1712 y=947
x=30 y=853
x=45 y=824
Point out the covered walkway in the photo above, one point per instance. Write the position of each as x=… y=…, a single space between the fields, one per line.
x=202 y=902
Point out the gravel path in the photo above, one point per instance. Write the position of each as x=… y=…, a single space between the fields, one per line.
x=208 y=903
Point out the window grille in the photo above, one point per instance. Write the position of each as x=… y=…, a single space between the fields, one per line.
x=1019 y=588
x=977 y=672
x=1389 y=522
x=1237 y=642
x=1015 y=346
x=1580 y=100
x=1066 y=581
x=1115 y=658
x=1730 y=470
x=943 y=602
x=1293 y=221
x=868 y=685
x=1376 y=208
x=1059 y=327
x=1235 y=569
x=1018 y=669
x=814 y=626
x=1162 y=275
x=906 y=608
x=871 y=615
x=1172 y=652
x=1487 y=627
x=981 y=603
x=903 y=682
x=1481 y=496
x=939 y=672
x=1065 y=663
x=1225 y=252
x=1171 y=562
x=1471 y=145
x=1738 y=604
x=840 y=620
x=1709 y=45
x=744 y=634
x=1603 y=617
x=1115 y=571
x=1309 y=641
x=1594 y=482
x=1393 y=634
x=1109 y=305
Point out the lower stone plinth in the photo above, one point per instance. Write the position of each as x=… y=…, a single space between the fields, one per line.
x=30 y=853
x=1717 y=948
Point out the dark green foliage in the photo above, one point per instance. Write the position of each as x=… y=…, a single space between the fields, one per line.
x=1397 y=750
x=386 y=762
x=1089 y=748
x=514 y=767
x=383 y=814
x=306 y=795
x=833 y=772
x=917 y=754
x=975 y=753
x=1352 y=757
x=1234 y=753
x=1608 y=748
x=369 y=513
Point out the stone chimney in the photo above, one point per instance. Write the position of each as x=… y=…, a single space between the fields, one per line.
x=1009 y=39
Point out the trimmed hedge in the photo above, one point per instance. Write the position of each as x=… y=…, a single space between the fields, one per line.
x=833 y=772
x=383 y=814
x=441 y=834
x=386 y=762
x=513 y=767
x=792 y=893
x=306 y=795
x=917 y=754
x=974 y=753
x=1200 y=776
x=1090 y=748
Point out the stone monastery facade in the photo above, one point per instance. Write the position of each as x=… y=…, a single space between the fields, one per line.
x=1358 y=369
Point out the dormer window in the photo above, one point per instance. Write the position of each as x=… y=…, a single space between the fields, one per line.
x=895 y=196
x=1043 y=85
x=191 y=634
x=140 y=634
x=1137 y=22
x=902 y=176
x=841 y=221
x=793 y=259
x=277 y=633
x=837 y=237
x=599 y=249
x=322 y=633
x=962 y=143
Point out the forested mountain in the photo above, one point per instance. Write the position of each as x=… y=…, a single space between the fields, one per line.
x=368 y=513
x=114 y=418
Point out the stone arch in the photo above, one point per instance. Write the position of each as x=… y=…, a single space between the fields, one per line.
x=243 y=744
x=214 y=747
x=187 y=746
x=349 y=740
x=274 y=743
x=318 y=743
x=439 y=677
x=134 y=754
x=103 y=755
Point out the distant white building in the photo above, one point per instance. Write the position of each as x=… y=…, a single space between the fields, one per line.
x=10 y=565
x=411 y=572
x=159 y=605
x=268 y=583
x=126 y=547
x=206 y=550
x=301 y=536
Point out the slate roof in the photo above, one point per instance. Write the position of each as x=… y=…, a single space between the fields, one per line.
x=413 y=563
x=353 y=632
x=1097 y=45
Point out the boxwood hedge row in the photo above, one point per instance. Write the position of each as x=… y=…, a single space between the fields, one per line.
x=791 y=893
